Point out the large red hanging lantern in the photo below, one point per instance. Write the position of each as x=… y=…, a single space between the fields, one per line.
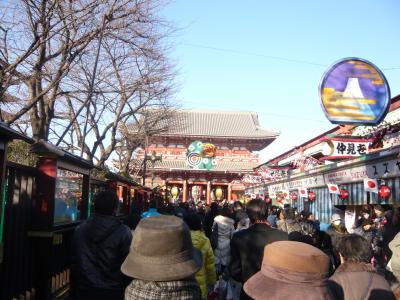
x=267 y=199
x=311 y=196
x=384 y=191
x=293 y=196
x=344 y=194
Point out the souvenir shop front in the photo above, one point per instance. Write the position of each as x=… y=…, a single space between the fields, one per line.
x=342 y=187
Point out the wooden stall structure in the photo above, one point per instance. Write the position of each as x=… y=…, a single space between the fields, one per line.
x=17 y=191
x=61 y=204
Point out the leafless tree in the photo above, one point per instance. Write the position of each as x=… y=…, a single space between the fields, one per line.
x=139 y=134
x=82 y=68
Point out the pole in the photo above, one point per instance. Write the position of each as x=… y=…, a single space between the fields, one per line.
x=145 y=161
x=3 y=207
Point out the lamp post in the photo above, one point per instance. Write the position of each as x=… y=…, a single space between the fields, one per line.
x=153 y=158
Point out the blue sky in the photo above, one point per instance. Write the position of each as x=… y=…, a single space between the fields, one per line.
x=269 y=56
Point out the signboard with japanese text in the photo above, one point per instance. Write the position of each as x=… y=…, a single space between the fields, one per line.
x=354 y=91
x=309 y=182
x=346 y=148
x=383 y=169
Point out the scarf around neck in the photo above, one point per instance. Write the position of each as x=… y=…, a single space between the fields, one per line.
x=160 y=290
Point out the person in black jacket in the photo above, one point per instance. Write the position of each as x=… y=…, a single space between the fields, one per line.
x=247 y=246
x=99 y=247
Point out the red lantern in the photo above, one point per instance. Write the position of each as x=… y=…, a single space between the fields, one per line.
x=311 y=196
x=344 y=194
x=267 y=199
x=293 y=196
x=384 y=191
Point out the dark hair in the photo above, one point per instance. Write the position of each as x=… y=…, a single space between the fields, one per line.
x=288 y=213
x=256 y=210
x=193 y=221
x=225 y=211
x=298 y=237
x=237 y=204
x=355 y=248
x=105 y=202
x=214 y=206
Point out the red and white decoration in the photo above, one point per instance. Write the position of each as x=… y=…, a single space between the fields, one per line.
x=311 y=196
x=293 y=196
x=384 y=192
x=303 y=192
x=344 y=194
x=370 y=185
x=272 y=194
x=285 y=194
x=333 y=188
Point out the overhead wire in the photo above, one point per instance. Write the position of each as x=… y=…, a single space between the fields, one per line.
x=260 y=112
x=287 y=59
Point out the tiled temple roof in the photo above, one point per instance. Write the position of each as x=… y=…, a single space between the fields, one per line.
x=244 y=125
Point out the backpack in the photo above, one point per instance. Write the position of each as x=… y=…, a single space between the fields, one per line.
x=214 y=236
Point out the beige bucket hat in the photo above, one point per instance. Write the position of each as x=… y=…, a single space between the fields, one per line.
x=162 y=250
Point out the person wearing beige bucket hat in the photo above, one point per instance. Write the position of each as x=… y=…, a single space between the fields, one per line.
x=162 y=261
x=291 y=270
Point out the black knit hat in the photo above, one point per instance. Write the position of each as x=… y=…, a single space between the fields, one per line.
x=105 y=202
x=193 y=221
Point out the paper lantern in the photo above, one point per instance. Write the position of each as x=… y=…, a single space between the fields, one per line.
x=311 y=196
x=344 y=194
x=384 y=191
x=174 y=191
x=293 y=196
x=218 y=193
x=267 y=199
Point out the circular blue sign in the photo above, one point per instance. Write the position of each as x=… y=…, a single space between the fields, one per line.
x=354 y=91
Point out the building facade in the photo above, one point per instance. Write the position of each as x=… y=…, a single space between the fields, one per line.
x=346 y=157
x=236 y=136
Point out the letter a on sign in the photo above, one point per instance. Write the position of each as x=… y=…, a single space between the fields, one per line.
x=333 y=188
x=370 y=185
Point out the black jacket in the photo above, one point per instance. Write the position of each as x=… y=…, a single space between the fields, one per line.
x=99 y=247
x=247 y=249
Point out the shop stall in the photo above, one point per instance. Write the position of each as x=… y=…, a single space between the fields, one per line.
x=381 y=170
x=62 y=196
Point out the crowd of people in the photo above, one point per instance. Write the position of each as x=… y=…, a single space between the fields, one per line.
x=233 y=251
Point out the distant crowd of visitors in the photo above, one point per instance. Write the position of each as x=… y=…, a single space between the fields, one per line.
x=233 y=251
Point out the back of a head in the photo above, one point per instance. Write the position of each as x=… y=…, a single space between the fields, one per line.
x=193 y=221
x=105 y=202
x=226 y=212
x=153 y=203
x=214 y=206
x=256 y=210
x=288 y=213
x=355 y=248
x=237 y=205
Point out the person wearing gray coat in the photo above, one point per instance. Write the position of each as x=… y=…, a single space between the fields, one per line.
x=356 y=278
